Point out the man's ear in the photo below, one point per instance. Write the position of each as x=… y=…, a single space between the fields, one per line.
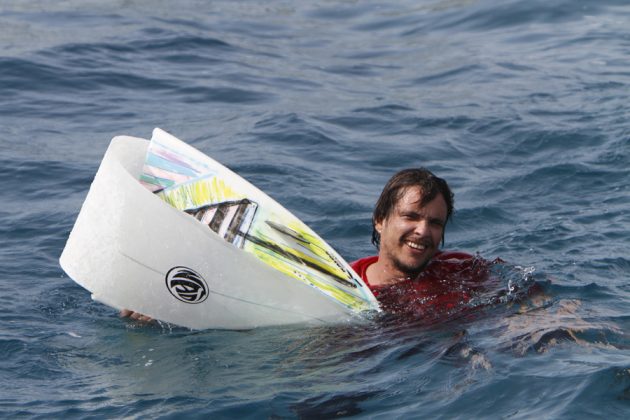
x=378 y=225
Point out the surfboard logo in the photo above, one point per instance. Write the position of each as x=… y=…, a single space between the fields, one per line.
x=186 y=285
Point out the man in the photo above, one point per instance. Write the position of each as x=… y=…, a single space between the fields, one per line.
x=410 y=273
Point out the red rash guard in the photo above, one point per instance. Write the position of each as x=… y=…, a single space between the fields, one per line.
x=444 y=286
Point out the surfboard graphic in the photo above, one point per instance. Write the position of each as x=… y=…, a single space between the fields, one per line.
x=167 y=231
x=192 y=182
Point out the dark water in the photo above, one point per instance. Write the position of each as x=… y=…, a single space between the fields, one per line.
x=522 y=105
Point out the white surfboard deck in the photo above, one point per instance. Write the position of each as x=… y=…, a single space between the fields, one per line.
x=131 y=249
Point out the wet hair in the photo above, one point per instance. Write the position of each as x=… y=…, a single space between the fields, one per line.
x=429 y=184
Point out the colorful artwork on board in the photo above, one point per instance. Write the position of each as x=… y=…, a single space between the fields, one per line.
x=196 y=184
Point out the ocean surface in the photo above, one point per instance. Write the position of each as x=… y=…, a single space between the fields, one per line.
x=523 y=106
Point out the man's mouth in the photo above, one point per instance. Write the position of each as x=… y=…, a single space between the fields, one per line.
x=419 y=245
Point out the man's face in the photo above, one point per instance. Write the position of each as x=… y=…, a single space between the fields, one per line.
x=411 y=233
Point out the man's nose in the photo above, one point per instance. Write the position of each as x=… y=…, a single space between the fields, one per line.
x=421 y=228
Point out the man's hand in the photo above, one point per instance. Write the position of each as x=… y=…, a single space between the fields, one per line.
x=136 y=316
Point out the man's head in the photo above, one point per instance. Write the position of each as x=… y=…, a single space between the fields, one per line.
x=409 y=218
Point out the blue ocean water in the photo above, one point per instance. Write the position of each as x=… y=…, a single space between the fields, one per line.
x=523 y=106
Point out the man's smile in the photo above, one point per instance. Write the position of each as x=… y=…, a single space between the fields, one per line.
x=418 y=244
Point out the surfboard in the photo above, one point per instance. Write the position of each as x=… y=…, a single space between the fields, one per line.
x=169 y=232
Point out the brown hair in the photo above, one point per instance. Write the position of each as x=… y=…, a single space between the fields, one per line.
x=393 y=191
